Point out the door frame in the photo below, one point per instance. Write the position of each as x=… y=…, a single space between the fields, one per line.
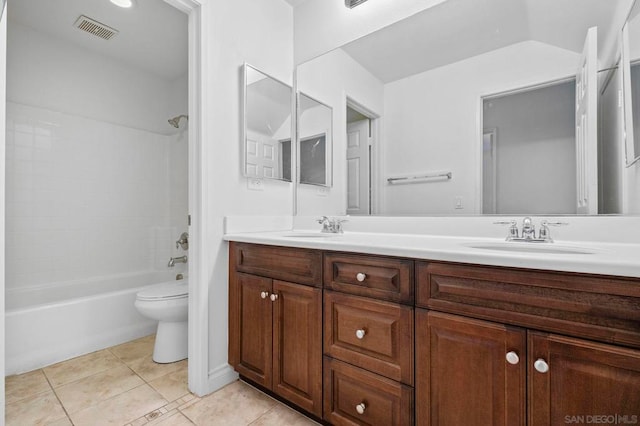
x=198 y=346
x=375 y=153
x=480 y=125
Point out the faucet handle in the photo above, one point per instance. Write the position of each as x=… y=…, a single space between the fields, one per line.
x=513 y=228
x=322 y=220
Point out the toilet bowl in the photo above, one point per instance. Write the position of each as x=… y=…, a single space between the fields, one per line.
x=167 y=304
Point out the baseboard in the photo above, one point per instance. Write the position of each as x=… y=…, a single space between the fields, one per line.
x=220 y=377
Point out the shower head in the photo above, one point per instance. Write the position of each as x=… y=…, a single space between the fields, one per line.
x=175 y=121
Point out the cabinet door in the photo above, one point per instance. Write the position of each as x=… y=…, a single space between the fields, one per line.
x=584 y=382
x=463 y=375
x=250 y=330
x=297 y=345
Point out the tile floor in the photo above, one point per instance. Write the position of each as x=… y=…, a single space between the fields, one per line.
x=122 y=386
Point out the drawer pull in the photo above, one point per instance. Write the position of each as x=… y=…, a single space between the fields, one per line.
x=360 y=276
x=264 y=294
x=541 y=365
x=361 y=407
x=512 y=358
x=273 y=297
x=360 y=333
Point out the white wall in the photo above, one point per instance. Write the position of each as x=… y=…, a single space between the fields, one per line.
x=330 y=79
x=238 y=31
x=62 y=77
x=3 y=53
x=610 y=149
x=535 y=155
x=431 y=123
x=89 y=187
x=322 y=25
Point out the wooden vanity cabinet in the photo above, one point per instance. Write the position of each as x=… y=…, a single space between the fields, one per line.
x=515 y=369
x=461 y=374
x=368 y=340
x=275 y=326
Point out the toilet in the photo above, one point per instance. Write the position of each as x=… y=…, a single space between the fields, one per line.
x=168 y=304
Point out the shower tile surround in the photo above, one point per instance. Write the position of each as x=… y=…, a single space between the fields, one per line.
x=88 y=198
x=121 y=385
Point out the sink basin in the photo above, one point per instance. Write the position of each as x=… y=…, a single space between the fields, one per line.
x=294 y=234
x=541 y=248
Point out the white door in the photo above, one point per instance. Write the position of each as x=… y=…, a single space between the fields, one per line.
x=261 y=156
x=587 y=127
x=358 y=167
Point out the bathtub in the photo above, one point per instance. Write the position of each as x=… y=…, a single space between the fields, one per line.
x=53 y=323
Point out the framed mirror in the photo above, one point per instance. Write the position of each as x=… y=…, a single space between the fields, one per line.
x=315 y=141
x=266 y=138
x=427 y=82
x=631 y=85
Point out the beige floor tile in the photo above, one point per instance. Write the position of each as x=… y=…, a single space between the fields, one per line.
x=22 y=386
x=235 y=404
x=81 y=367
x=61 y=422
x=121 y=409
x=173 y=385
x=283 y=415
x=150 y=370
x=172 y=419
x=134 y=350
x=83 y=393
x=39 y=409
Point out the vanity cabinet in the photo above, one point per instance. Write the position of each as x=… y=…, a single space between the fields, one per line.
x=368 y=340
x=376 y=340
x=275 y=326
x=519 y=371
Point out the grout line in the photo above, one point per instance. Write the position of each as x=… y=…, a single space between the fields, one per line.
x=66 y=413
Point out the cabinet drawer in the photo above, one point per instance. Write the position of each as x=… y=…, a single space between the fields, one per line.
x=374 y=276
x=592 y=306
x=372 y=334
x=357 y=397
x=283 y=263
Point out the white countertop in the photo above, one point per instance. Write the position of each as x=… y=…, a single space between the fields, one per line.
x=620 y=259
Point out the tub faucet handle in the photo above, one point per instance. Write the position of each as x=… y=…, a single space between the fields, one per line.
x=183 y=241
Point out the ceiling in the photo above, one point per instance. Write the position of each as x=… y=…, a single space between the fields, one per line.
x=458 y=29
x=152 y=35
x=294 y=3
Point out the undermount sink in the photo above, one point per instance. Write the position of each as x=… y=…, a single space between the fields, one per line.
x=318 y=234
x=541 y=248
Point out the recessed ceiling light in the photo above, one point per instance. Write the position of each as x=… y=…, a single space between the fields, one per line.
x=124 y=3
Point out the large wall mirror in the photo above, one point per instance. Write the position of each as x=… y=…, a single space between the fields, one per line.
x=472 y=107
x=267 y=126
x=631 y=85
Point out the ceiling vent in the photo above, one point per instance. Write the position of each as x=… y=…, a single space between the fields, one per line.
x=95 y=28
x=353 y=3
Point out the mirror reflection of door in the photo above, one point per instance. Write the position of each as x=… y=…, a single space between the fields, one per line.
x=531 y=166
x=358 y=163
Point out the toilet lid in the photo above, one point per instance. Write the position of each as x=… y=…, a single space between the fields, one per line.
x=165 y=291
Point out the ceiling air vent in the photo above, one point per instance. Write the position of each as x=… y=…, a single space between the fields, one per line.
x=94 y=27
x=353 y=3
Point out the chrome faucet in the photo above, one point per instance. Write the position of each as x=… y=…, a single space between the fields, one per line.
x=174 y=260
x=529 y=231
x=331 y=225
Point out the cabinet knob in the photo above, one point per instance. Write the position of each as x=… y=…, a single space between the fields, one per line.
x=264 y=294
x=360 y=276
x=361 y=407
x=273 y=297
x=512 y=358
x=541 y=365
x=360 y=333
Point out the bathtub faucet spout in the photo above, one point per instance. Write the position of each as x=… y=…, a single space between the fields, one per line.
x=174 y=260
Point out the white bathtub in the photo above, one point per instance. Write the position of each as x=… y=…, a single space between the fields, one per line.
x=52 y=323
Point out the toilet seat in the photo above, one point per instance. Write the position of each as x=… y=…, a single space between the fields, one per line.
x=169 y=291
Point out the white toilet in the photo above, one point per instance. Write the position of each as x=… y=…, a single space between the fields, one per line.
x=168 y=304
